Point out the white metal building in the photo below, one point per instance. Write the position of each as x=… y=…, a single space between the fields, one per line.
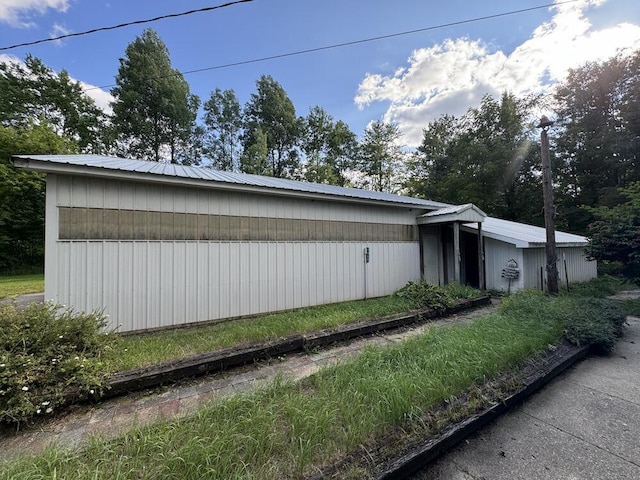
x=160 y=245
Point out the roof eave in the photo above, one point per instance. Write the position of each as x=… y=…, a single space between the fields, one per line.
x=69 y=169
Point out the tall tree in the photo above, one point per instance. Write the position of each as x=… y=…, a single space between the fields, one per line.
x=154 y=110
x=615 y=233
x=271 y=111
x=598 y=135
x=31 y=92
x=223 y=121
x=330 y=148
x=380 y=156
x=22 y=194
x=487 y=157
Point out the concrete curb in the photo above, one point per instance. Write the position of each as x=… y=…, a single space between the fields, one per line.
x=419 y=458
x=156 y=375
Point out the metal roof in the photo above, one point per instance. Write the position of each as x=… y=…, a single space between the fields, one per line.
x=454 y=213
x=525 y=236
x=125 y=168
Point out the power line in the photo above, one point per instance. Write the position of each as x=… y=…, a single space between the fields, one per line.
x=127 y=24
x=365 y=40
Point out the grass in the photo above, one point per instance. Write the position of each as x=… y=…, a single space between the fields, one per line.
x=20 y=284
x=294 y=429
x=147 y=349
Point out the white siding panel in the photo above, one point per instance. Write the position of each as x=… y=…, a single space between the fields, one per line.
x=126 y=196
x=110 y=283
x=139 y=288
x=149 y=284
x=214 y=288
x=125 y=287
x=95 y=274
x=272 y=274
x=225 y=286
x=167 y=284
x=497 y=254
x=203 y=267
x=579 y=269
x=192 y=266
x=154 y=274
x=95 y=193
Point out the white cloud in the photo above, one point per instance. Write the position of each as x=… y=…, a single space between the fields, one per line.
x=17 y=13
x=452 y=76
x=57 y=31
x=102 y=98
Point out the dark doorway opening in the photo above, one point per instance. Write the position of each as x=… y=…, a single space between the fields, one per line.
x=470 y=269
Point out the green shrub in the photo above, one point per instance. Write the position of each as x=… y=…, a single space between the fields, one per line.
x=632 y=307
x=595 y=321
x=600 y=287
x=584 y=320
x=424 y=295
x=46 y=353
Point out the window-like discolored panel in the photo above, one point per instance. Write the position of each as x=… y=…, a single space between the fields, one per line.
x=107 y=224
x=111 y=224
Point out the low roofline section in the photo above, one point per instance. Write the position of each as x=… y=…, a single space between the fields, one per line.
x=145 y=171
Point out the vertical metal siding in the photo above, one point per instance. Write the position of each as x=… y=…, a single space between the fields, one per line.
x=153 y=283
x=497 y=254
x=579 y=269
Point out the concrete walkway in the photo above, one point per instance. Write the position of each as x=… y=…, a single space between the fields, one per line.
x=583 y=425
x=116 y=416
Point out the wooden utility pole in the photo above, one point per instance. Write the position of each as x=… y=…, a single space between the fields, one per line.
x=549 y=209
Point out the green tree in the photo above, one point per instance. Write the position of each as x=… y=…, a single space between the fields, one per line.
x=254 y=158
x=598 y=132
x=271 y=111
x=486 y=157
x=22 y=194
x=329 y=147
x=380 y=156
x=154 y=111
x=31 y=91
x=615 y=233
x=223 y=121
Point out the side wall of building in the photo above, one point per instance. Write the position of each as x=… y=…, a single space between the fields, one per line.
x=578 y=268
x=497 y=255
x=157 y=255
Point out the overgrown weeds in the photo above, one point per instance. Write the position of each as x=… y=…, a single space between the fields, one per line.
x=584 y=320
x=439 y=298
x=292 y=429
x=150 y=348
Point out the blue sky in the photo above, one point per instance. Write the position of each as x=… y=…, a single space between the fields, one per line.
x=409 y=80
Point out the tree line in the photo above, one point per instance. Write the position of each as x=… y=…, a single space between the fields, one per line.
x=489 y=156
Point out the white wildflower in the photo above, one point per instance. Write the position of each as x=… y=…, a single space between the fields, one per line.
x=46 y=403
x=49 y=410
x=91 y=391
x=60 y=336
x=77 y=358
x=2 y=365
x=38 y=411
x=25 y=389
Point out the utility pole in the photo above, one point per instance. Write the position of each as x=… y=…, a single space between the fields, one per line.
x=549 y=209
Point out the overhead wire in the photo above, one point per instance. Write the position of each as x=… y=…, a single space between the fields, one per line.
x=364 y=40
x=287 y=54
x=126 y=24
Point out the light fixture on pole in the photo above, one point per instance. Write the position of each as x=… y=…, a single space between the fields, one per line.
x=549 y=209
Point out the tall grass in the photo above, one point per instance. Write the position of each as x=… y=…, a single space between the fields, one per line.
x=147 y=349
x=292 y=429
